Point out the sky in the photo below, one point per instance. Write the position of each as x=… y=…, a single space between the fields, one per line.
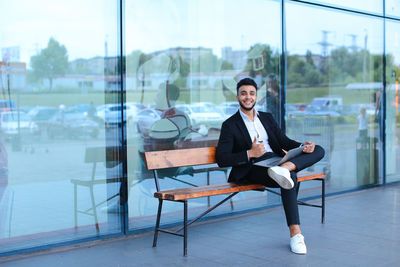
x=84 y=26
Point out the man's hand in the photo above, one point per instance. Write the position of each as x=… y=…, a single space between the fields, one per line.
x=257 y=150
x=308 y=147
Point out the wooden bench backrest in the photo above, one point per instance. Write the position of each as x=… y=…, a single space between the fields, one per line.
x=179 y=158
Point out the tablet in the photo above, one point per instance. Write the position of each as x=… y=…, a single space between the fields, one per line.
x=276 y=161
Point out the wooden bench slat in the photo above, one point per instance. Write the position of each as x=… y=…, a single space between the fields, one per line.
x=212 y=190
x=179 y=158
x=200 y=188
x=308 y=177
x=205 y=191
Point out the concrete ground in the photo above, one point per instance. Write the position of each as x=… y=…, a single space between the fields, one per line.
x=361 y=229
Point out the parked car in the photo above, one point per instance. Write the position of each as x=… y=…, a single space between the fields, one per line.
x=41 y=115
x=229 y=108
x=72 y=125
x=331 y=106
x=202 y=113
x=13 y=123
x=111 y=113
x=146 y=118
x=6 y=105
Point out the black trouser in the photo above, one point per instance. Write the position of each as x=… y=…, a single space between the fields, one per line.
x=259 y=175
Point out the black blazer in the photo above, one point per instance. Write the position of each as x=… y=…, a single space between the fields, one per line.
x=234 y=142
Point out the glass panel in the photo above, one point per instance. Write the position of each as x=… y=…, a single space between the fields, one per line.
x=55 y=82
x=183 y=66
x=392 y=8
x=392 y=100
x=334 y=71
x=371 y=6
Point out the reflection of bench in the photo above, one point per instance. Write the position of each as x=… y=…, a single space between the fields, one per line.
x=95 y=155
x=6 y=211
x=158 y=160
x=110 y=157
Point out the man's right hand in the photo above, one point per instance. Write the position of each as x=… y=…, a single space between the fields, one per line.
x=257 y=150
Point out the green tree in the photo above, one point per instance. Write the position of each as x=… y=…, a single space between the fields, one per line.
x=50 y=62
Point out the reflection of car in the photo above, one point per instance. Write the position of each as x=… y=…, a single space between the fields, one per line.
x=202 y=113
x=14 y=122
x=139 y=106
x=111 y=113
x=319 y=110
x=229 y=108
x=6 y=105
x=72 y=124
x=145 y=120
x=354 y=109
x=331 y=106
x=41 y=115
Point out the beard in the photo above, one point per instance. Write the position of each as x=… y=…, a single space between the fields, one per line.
x=246 y=108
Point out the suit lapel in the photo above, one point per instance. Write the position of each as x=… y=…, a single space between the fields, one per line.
x=242 y=127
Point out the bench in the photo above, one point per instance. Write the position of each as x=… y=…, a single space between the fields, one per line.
x=157 y=160
x=110 y=157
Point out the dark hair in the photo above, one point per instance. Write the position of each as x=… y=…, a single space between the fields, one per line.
x=245 y=81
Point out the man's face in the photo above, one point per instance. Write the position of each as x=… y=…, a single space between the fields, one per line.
x=247 y=97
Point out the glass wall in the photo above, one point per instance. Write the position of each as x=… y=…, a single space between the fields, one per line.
x=370 y=6
x=334 y=73
x=392 y=8
x=182 y=69
x=58 y=78
x=66 y=115
x=392 y=100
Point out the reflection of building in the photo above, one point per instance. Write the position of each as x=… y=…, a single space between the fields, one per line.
x=187 y=53
x=213 y=80
x=238 y=58
x=81 y=81
x=17 y=75
x=95 y=65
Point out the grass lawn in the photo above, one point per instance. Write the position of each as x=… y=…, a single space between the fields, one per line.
x=306 y=95
x=293 y=95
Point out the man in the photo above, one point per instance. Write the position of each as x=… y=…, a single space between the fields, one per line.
x=248 y=137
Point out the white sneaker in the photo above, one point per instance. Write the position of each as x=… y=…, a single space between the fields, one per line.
x=297 y=244
x=281 y=176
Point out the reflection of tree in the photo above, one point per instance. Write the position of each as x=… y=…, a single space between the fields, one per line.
x=343 y=65
x=50 y=62
x=206 y=63
x=300 y=71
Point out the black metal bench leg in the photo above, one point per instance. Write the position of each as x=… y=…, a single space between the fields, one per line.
x=297 y=189
x=323 y=202
x=185 y=228
x=160 y=201
x=208 y=183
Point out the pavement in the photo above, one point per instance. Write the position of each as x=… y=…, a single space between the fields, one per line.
x=362 y=228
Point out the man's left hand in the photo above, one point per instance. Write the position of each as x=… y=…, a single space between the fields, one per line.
x=308 y=147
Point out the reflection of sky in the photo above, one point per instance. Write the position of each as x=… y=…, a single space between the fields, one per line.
x=372 y=6
x=206 y=23
x=305 y=25
x=83 y=26
x=393 y=40
x=80 y=25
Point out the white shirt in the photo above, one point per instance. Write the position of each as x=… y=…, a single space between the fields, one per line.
x=256 y=129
